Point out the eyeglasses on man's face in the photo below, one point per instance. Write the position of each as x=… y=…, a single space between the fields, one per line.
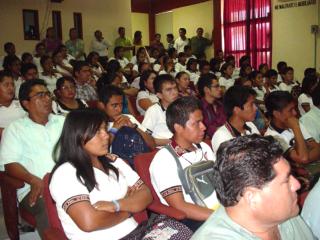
x=41 y=95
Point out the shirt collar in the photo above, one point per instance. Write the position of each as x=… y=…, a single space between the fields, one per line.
x=274 y=127
x=179 y=150
x=234 y=131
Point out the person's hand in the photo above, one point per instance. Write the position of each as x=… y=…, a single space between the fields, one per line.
x=292 y=122
x=105 y=206
x=122 y=121
x=36 y=190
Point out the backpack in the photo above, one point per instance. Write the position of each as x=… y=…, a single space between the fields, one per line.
x=197 y=179
x=128 y=143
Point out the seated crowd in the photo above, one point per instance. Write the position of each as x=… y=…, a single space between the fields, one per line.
x=233 y=146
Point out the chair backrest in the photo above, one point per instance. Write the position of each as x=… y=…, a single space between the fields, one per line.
x=142 y=163
x=52 y=213
x=132 y=100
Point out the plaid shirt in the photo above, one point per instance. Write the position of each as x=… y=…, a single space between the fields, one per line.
x=86 y=92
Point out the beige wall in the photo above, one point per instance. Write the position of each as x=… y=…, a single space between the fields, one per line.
x=140 y=22
x=106 y=15
x=190 y=17
x=292 y=40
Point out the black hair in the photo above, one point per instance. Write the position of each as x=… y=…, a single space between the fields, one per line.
x=160 y=80
x=78 y=65
x=277 y=101
x=202 y=64
x=181 y=54
x=236 y=96
x=253 y=75
x=39 y=44
x=26 y=67
x=244 y=59
x=25 y=55
x=7 y=45
x=224 y=67
x=229 y=58
x=183 y=30
x=205 y=80
x=157 y=35
x=171 y=51
x=107 y=91
x=310 y=72
x=307 y=84
x=116 y=50
x=179 y=74
x=80 y=127
x=170 y=35
x=106 y=79
x=246 y=161
x=179 y=111
x=90 y=56
x=243 y=69
x=280 y=66
x=113 y=66
x=271 y=73
x=44 y=58
x=62 y=80
x=186 y=48
x=9 y=60
x=316 y=96
x=214 y=65
x=190 y=62
x=287 y=69
x=26 y=89
x=4 y=73
x=120 y=28
x=262 y=65
x=144 y=77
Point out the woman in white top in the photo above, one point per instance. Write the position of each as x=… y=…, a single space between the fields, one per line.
x=305 y=102
x=10 y=109
x=95 y=65
x=192 y=70
x=64 y=68
x=95 y=192
x=226 y=81
x=146 y=96
x=49 y=74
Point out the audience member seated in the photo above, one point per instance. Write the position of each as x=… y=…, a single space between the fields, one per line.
x=258 y=193
x=146 y=96
x=181 y=41
x=184 y=119
x=270 y=84
x=51 y=42
x=111 y=102
x=155 y=117
x=192 y=70
x=204 y=67
x=13 y=65
x=26 y=57
x=82 y=75
x=61 y=66
x=295 y=140
x=211 y=104
x=287 y=80
x=188 y=52
x=96 y=67
x=305 y=100
x=10 y=109
x=232 y=60
x=181 y=64
x=257 y=80
x=226 y=81
x=183 y=83
x=245 y=70
x=29 y=71
x=170 y=41
x=119 y=56
x=10 y=49
x=66 y=100
x=49 y=74
x=40 y=52
x=239 y=106
x=215 y=67
x=199 y=44
x=75 y=45
x=310 y=211
x=101 y=192
x=310 y=120
x=281 y=66
x=124 y=42
x=167 y=66
x=26 y=147
x=67 y=58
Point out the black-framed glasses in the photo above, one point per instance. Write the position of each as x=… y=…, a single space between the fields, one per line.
x=42 y=95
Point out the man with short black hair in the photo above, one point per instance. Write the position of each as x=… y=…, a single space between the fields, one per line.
x=258 y=193
x=181 y=41
x=124 y=42
x=155 y=117
x=29 y=71
x=184 y=119
x=27 y=145
x=82 y=75
x=239 y=106
x=199 y=44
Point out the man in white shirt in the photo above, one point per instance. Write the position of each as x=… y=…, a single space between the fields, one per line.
x=155 y=117
x=240 y=108
x=184 y=119
x=101 y=46
x=296 y=142
x=27 y=145
x=181 y=41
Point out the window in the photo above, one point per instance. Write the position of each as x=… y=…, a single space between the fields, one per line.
x=247 y=30
x=56 y=23
x=77 y=18
x=30 y=24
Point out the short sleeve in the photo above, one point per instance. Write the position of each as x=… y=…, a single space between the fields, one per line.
x=66 y=189
x=219 y=137
x=306 y=135
x=149 y=119
x=131 y=177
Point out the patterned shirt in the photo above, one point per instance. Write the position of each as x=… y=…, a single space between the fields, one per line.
x=86 y=92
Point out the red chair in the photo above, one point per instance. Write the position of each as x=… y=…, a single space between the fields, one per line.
x=132 y=101
x=9 y=186
x=142 y=163
x=55 y=231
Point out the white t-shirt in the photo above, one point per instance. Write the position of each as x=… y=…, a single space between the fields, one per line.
x=17 y=85
x=145 y=94
x=164 y=173
x=100 y=47
x=286 y=137
x=194 y=76
x=11 y=113
x=179 y=67
x=227 y=83
x=50 y=80
x=155 y=122
x=304 y=98
x=260 y=93
x=179 y=44
x=136 y=83
x=67 y=190
x=123 y=62
x=132 y=119
x=226 y=133
x=173 y=74
x=285 y=87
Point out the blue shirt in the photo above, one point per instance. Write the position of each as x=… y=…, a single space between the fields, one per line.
x=220 y=226
x=31 y=144
x=311 y=211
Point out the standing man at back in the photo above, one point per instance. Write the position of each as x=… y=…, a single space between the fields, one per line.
x=199 y=44
x=124 y=42
x=181 y=41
